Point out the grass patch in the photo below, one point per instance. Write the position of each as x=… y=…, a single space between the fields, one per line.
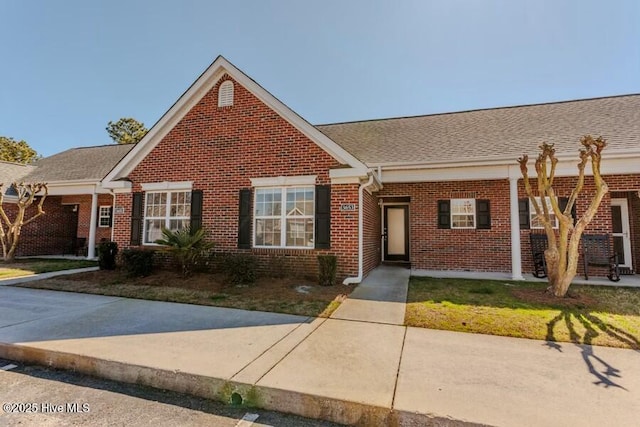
x=278 y=295
x=598 y=315
x=28 y=266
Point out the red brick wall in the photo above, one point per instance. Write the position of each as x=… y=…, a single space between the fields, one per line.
x=487 y=250
x=372 y=237
x=84 y=214
x=220 y=149
x=49 y=234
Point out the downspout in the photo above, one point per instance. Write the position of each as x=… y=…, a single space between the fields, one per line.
x=358 y=278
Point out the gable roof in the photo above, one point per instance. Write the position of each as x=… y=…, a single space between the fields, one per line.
x=491 y=134
x=79 y=164
x=199 y=89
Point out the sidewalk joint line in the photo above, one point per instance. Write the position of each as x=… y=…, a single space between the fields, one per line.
x=269 y=348
x=395 y=387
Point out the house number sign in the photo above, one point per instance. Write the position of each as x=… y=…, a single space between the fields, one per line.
x=119 y=210
x=348 y=207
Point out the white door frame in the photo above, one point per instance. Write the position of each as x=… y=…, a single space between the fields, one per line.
x=626 y=236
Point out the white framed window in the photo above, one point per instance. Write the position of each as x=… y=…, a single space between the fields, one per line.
x=169 y=209
x=284 y=217
x=104 y=216
x=463 y=213
x=225 y=94
x=534 y=221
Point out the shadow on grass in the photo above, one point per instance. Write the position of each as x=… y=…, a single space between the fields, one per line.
x=607 y=376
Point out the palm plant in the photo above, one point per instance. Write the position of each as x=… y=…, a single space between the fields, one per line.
x=186 y=246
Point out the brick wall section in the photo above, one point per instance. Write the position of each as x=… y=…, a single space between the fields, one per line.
x=220 y=149
x=50 y=234
x=489 y=250
x=372 y=237
x=84 y=214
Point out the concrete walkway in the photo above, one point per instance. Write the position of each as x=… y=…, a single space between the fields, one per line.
x=380 y=298
x=345 y=370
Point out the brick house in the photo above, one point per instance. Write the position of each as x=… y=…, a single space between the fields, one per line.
x=441 y=192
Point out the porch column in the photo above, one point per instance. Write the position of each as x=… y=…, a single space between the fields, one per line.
x=93 y=224
x=516 y=255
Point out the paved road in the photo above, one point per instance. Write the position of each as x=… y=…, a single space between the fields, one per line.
x=109 y=403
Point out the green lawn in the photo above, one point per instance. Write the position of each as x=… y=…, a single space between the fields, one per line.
x=599 y=315
x=28 y=266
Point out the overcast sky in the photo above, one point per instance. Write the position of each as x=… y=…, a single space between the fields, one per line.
x=68 y=67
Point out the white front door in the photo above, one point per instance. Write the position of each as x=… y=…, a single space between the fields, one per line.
x=620 y=231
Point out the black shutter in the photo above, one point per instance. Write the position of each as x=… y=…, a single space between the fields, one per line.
x=244 y=219
x=110 y=216
x=196 y=210
x=323 y=216
x=136 y=219
x=483 y=215
x=444 y=214
x=562 y=204
x=523 y=213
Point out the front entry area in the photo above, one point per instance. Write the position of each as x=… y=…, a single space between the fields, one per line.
x=621 y=232
x=395 y=233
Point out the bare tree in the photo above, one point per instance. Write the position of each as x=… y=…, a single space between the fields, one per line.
x=10 y=228
x=562 y=254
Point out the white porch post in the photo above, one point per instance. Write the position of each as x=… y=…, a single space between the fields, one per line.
x=516 y=255
x=93 y=224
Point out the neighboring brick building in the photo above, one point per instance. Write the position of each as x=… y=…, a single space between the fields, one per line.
x=441 y=192
x=78 y=210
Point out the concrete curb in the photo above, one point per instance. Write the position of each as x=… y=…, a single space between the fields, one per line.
x=311 y=406
x=42 y=276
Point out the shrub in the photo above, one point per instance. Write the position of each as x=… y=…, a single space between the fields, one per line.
x=240 y=269
x=186 y=246
x=107 y=252
x=137 y=262
x=327 y=267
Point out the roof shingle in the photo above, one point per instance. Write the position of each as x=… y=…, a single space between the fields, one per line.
x=493 y=133
x=77 y=164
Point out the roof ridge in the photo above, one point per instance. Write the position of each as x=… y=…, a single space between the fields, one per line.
x=480 y=109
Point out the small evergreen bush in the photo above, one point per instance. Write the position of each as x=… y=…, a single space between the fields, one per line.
x=137 y=262
x=107 y=252
x=240 y=269
x=327 y=267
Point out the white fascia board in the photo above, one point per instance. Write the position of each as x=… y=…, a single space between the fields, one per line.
x=71 y=190
x=167 y=186
x=347 y=175
x=498 y=161
x=565 y=167
x=283 y=181
x=117 y=185
x=192 y=96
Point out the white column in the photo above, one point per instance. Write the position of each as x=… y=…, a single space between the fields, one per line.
x=516 y=255
x=93 y=224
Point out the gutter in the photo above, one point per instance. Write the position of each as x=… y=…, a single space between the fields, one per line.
x=358 y=278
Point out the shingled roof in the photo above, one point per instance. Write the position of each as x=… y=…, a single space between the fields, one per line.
x=79 y=164
x=13 y=172
x=498 y=133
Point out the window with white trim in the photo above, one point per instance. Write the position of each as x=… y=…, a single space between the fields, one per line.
x=169 y=209
x=284 y=217
x=534 y=221
x=463 y=213
x=104 y=216
x=225 y=94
